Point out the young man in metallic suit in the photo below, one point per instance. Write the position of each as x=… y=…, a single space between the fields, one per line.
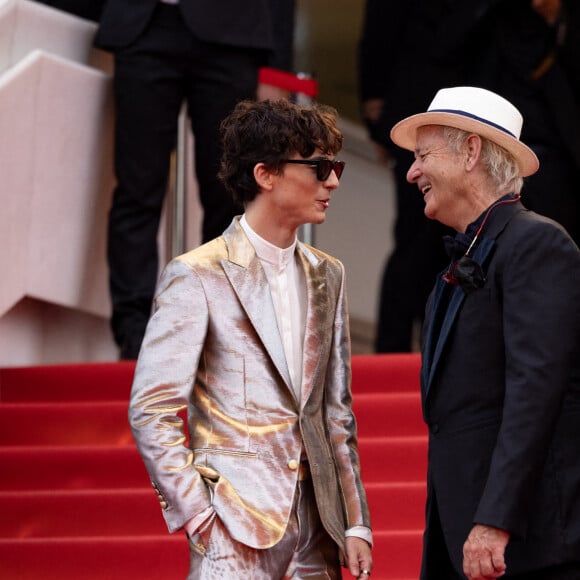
x=249 y=337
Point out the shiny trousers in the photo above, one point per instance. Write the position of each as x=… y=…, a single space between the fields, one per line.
x=305 y=551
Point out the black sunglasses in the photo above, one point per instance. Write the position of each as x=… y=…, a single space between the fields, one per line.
x=324 y=167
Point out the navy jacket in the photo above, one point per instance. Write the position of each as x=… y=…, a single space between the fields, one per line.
x=501 y=395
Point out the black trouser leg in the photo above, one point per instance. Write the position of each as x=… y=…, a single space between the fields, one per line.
x=223 y=77
x=149 y=91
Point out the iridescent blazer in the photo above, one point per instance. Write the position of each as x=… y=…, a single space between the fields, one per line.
x=213 y=355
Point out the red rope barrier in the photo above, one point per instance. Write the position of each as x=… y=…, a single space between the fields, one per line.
x=288 y=81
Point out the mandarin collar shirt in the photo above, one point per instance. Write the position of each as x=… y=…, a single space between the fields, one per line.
x=287 y=283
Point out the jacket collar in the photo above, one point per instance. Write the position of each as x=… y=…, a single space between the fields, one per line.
x=444 y=312
x=248 y=279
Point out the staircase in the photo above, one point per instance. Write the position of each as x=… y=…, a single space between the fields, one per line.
x=56 y=134
x=76 y=502
x=393 y=452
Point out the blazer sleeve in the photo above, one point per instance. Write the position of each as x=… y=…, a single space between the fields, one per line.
x=340 y=418
x=164 y=378
x=541 y=322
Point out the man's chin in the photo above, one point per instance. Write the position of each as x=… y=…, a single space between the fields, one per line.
x=429 y=213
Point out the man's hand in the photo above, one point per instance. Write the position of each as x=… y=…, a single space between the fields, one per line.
x=483 y=553
x=358 y=557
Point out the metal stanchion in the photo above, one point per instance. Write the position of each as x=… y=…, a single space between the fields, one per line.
x=176 y=220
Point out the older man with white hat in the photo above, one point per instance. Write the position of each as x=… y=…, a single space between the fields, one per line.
x=500 y=375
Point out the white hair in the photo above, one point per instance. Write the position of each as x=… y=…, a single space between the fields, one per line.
x=501 y=165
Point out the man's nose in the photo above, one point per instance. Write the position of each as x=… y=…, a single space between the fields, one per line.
x=332 y=181
x=413 y=173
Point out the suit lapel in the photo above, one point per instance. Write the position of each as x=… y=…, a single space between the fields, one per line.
x=316 y=330
x=437 y=335
x=248 y=279
x=431 y=332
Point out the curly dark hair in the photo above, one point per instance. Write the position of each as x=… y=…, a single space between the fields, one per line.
x=269 y=132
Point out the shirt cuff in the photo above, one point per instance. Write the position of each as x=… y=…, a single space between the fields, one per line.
x=361 y=532
x=192 y=525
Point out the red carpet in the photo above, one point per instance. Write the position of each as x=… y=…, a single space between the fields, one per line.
x=76 y=502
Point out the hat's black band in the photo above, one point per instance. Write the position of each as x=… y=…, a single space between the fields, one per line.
x=469 y=115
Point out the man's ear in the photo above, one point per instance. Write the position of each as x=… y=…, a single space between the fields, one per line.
x=472 y=151
x=263 y=176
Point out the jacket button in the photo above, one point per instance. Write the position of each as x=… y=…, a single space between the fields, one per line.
x=163 y=505
x=293 y=464
x=435 y=429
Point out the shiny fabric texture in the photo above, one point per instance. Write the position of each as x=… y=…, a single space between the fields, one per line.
x=305 y=551
x=212 y=350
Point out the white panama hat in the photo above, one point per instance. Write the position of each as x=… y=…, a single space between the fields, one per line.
x=475 y=110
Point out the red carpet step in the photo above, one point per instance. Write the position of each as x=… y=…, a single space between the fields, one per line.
x=105 y=422
x=395 y=459
x=71 y=467
x=131 y=512
x=77 y=504
x=85 y=423
x=163 y=557
x=69 y=382
x=392 y=414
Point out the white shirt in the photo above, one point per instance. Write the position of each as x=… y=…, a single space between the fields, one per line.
x=288 y=290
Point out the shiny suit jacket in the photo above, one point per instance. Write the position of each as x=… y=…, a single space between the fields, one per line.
x=213 y=350
x=501 y=396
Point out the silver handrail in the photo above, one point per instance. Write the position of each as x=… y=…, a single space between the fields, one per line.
x=176 y=220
